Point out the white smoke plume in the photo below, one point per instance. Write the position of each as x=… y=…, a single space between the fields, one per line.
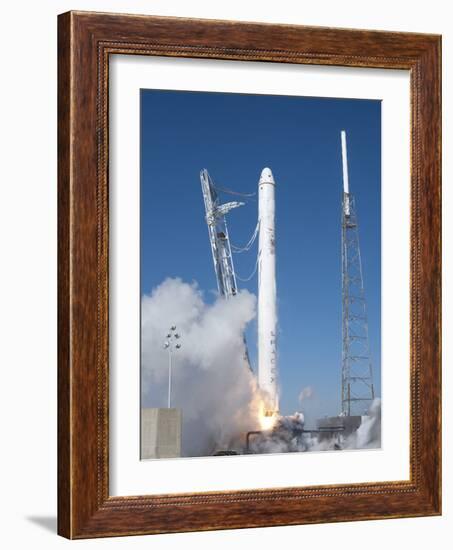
x=217 y=393
x=306 y=393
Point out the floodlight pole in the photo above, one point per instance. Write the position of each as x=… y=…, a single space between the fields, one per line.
x=169 y=378
x=169 y=345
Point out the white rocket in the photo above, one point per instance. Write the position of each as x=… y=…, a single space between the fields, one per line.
x=267 y=292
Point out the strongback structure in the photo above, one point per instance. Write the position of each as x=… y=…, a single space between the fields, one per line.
x=218 y=236
x=220 y=241
x=357 y=388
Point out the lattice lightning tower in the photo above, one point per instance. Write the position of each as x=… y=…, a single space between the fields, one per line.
x=357 y=388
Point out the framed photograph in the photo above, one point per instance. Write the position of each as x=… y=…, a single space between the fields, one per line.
x=249 y=275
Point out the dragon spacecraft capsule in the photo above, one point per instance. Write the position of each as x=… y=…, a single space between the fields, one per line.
x=267 y=292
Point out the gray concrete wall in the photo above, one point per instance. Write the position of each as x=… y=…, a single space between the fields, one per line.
x=161 y=433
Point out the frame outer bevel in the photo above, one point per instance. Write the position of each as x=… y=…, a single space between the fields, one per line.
x=64 y=423
x=430 y=270
x=85 y=42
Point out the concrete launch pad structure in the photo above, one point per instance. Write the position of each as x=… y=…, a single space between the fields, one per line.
x=160 y=433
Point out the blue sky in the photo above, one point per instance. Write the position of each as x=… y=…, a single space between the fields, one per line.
x=235 y=136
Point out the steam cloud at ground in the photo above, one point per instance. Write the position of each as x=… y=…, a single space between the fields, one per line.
x=289 y=435
x=211 y=383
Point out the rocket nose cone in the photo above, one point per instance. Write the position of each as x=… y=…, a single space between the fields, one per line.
x=266 y=176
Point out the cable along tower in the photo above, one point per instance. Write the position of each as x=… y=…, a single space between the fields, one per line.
x=357 y=387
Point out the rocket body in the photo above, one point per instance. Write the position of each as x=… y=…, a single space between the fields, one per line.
x=267 y=292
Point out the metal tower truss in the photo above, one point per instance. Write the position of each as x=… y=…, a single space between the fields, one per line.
x=357 y=389
x=218 y=236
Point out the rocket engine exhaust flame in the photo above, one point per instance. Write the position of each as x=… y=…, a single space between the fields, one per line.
x=267 y=417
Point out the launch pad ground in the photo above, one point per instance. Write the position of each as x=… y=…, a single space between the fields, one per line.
x=290 y=435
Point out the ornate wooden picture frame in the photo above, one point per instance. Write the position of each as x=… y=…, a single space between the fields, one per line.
x=85 y=42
